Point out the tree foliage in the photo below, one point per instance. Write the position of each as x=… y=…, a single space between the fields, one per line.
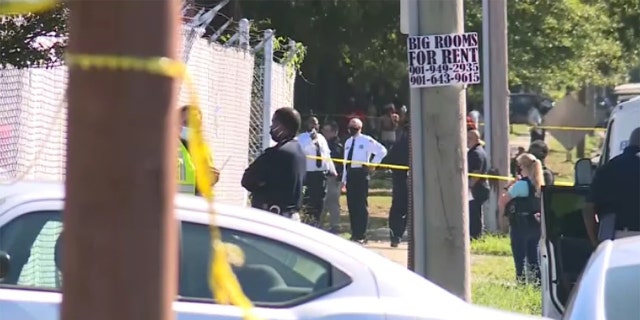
x=354 y=47
x=21 y=38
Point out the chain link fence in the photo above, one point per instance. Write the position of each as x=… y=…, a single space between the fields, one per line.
x=282 y=95
x=230 y=86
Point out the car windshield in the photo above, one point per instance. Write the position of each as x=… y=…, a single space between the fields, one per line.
x=621 y=292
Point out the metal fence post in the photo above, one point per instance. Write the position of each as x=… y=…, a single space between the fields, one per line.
x=244 y=33
x=268 y=79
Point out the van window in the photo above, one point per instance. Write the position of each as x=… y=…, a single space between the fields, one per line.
x=606 y=146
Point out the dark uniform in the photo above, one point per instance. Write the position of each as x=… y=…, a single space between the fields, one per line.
x=359 y=148
x=615 y=189
x=477 y=162
x=524 y=231
x=399 y=155
x=275 y=179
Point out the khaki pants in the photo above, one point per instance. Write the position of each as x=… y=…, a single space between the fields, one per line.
x=332 y=201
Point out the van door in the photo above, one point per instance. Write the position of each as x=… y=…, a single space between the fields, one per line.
x=564 y=247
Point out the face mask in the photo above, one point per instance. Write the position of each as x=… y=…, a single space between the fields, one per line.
x=184 y=133
x=277 y=134
x=352 y=131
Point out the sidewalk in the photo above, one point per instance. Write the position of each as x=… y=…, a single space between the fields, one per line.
x=398 y=255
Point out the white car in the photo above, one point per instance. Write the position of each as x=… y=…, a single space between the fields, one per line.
x=291 y=271
x=609 y=288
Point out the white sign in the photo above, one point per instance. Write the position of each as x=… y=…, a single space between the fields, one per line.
x=442 y=60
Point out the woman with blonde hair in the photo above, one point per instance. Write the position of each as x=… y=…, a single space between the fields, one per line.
x=521 y=204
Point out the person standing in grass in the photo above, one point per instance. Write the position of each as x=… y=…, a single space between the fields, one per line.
x=521 y=204
x=478 y=187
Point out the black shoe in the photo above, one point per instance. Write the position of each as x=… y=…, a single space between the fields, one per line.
x=395 y=243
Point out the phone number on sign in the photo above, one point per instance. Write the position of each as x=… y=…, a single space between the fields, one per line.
x=444 y=78
x=456 y=67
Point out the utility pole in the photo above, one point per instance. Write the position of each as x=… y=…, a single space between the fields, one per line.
x=120 y=247
x=439 y=162
x=496 y=106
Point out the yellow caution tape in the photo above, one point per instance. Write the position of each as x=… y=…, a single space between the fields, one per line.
x=563 y=128
x=222 y=280
x=401 y=167
x=14 y=7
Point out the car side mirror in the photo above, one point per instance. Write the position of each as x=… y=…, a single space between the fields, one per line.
x=583 y=172
x=4 y=264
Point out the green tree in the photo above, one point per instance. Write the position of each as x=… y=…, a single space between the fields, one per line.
x=19 y=34
x=559 y=44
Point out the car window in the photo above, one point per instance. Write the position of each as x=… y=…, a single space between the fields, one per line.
x=621 y=293
x=563 y=211
x=30 y=240
x=272 y=273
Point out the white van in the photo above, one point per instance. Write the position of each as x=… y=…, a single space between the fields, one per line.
x=564 y=245
x=624 y=119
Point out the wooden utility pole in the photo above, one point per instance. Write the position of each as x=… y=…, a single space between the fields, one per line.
x=120 y=244
x=439 y=163
x=496 y=106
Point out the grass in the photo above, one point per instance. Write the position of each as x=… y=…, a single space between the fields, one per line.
x=493 y=285
x=557 y=159
x=492 y=272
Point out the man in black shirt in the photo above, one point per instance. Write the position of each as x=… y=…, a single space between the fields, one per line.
x=615 y=189
x=478 y=187
x=332 y=199
x=399 y=155
x=275 y=179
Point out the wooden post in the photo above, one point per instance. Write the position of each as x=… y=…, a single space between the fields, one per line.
x=444 y=222
x=120 y=248
x=497 y=110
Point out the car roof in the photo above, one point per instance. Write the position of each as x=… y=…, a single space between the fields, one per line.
x=625 y=252
x=632 y=104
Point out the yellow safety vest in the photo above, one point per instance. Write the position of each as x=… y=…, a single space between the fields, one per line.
x=186 y=171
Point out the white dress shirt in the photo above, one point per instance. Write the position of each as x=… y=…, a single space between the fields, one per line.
x=364 y=147
x=310 y=149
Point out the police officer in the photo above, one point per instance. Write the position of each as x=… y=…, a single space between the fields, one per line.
x=319 y=165
x=521 y=204
x=615 y=189
x=275 y=179
x=359 y=149
x=399 y=155
x=478 y=187
x=540 y=150
x=186 y=166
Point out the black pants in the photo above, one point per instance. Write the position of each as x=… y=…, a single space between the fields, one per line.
x=399 y=205
x=357 y=193
x=475 y=218
x=316 y=183
x=525 y=236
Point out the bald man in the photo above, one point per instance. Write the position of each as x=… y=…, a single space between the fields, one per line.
x=614 y=191
x=361 y=153
x=478 y=187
